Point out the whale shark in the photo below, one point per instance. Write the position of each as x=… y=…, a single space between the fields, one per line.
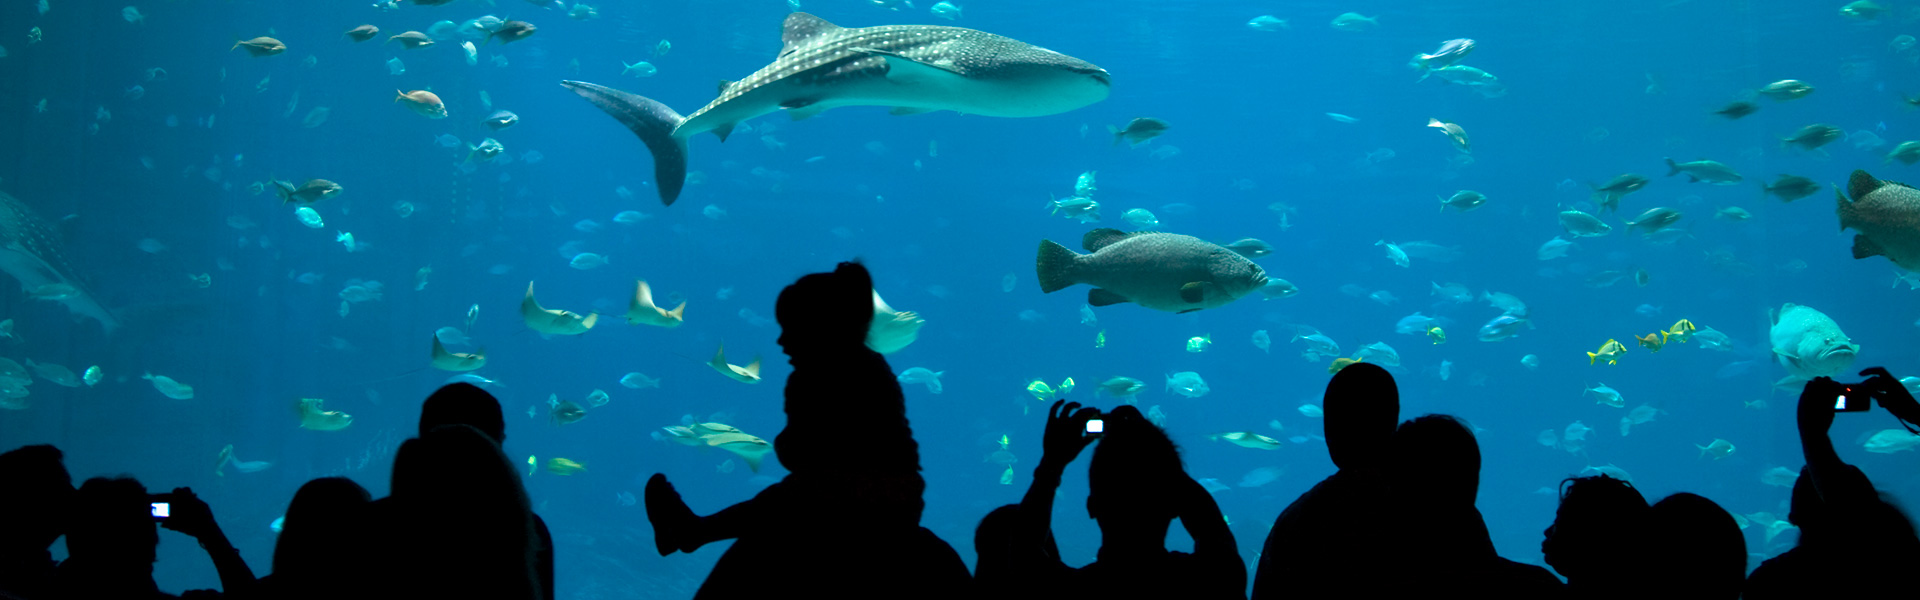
x=30 y=252
x=912 y=68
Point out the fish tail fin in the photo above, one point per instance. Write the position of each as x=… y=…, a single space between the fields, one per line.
x=1672 y=169
x=1591 y=356
x=1055 y=265
x=1842 y=208
x=654 y=123
x=679 y=312
x=1117 y=135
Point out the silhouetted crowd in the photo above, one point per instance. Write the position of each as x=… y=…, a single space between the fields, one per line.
x=1396 y=520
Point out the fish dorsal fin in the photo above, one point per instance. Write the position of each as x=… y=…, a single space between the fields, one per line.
x=801 y=28
x=1860 y=184
x=1094 y=240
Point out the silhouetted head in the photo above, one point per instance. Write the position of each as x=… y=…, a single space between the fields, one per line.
x=316 y=531
x=1698 y=550
x=464 y=404
x=111 y=525
x=1597 y=533
x=826 y=310
x=1361 y=407
x=1132 y=474
x=1437 y=459
x=466 y=517
x=450 y=462
x=35 y=494
x=993 y=542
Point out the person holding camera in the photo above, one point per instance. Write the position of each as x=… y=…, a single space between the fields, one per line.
x=1852 y=542
x=1136 y=488
x=112 y=539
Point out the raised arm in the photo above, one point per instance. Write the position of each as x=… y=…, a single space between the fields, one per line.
x=1213 y=542
x=193 y=517
x=1062 y=442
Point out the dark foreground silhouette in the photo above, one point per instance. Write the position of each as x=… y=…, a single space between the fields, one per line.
x=838 y=524
x=1397 y=519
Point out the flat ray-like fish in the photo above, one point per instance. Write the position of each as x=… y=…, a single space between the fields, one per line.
x=30 y=252
x=912 y=68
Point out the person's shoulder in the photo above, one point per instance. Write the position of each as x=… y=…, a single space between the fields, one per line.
x=1526 y=573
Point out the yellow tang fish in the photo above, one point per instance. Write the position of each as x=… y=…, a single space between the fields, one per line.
x=562 y=466
x=1653 y=342
x=1040 y=390
x=1609 y=352
x=1682 y=331
x=1340 y=363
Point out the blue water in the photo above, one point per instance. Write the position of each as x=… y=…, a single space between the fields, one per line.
x=940 y=231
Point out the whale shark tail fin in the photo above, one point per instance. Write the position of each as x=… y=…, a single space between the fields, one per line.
x=654 y=123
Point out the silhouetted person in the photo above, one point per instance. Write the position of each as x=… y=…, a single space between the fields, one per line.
x=317 y=541
x=457 y=524
x=1136 y=488
x=467 y=404
x=1447 y=550
x=1698 y=550
x=846 y=519
x=1852 y=542
x=192 y=516
x=995 y=574
x=110 y=542
x=1598 y=538
x=1328 y=543
x=35 y=495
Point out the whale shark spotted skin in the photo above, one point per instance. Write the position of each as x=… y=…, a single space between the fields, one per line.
x=912 y=68
x=30 y=252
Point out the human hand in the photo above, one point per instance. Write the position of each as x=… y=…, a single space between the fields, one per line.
x=1893 y=394
x=1065 y=435
x=190 y=514
x=1815 y=412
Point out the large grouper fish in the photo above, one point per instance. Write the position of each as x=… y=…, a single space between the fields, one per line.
x=31 y=253
x=1162 y=271
x=1809 y=344
x=912 y=68
x=1887 y=215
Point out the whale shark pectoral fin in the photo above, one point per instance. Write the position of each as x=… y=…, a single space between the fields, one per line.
x=801 y=109
x=901 y=69
x=654 y=123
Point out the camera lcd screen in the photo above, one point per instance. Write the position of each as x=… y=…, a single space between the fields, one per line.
x=1852 y=402
x=1096 y=426
x=162 y=510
